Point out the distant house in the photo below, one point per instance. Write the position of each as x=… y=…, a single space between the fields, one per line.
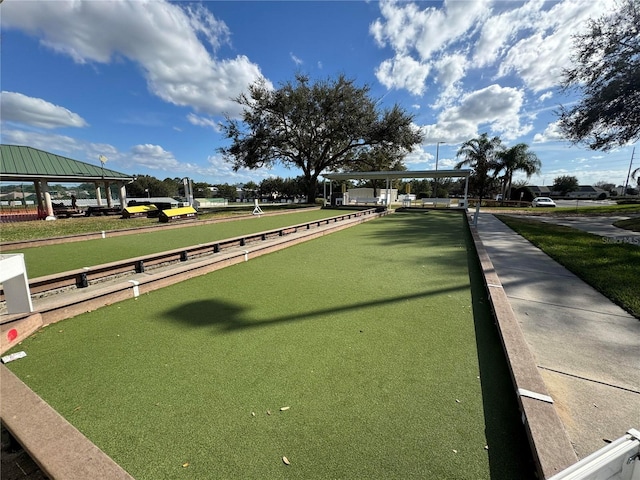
x=587 y=191
x=17 y=198
x=530 y=192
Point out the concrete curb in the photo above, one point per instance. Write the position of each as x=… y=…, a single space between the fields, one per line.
x=550 y=444
x=59 y=449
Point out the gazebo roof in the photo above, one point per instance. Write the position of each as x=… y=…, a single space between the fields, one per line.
x=398 y=174
x=21 y=163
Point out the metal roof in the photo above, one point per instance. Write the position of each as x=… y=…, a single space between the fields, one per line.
x=398 y=174
x=20 y=163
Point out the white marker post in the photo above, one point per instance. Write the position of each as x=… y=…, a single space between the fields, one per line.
x=256 y=208
x=13 y=276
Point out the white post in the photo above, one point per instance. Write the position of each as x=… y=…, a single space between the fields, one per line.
x=466 y=190
x=108 y=192
x=47 y=199
x=123 y=196
x=98 y=195
x=324 y=191
x=13 y=276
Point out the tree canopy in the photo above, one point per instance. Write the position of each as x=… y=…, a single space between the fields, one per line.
x=565 y=184
x=479 y=154
x=606 y=69
x=514 y=159
x=316 y=127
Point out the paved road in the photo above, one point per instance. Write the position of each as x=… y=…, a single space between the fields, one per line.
x=584 y=203
x=587 y=348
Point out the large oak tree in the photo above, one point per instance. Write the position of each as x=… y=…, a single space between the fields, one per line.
x=317 y=127
x=606 y=71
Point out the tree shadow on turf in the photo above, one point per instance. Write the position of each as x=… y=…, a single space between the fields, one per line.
x=509 y=451
x=229 y=317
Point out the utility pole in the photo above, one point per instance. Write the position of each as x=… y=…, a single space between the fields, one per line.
x=435 y=187
x=626 y=183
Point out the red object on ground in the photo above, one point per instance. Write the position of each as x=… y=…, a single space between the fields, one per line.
x=12 y=334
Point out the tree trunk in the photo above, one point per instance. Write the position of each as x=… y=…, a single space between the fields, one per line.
x=312 y=189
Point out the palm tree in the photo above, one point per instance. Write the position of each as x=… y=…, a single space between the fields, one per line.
x=516 y=158
x=480 y=154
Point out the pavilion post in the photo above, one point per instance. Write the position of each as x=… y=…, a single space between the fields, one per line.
x=466 y=190
x=98 y=195
x=123 y=197
x=39 y=202
x=47 y=199
x=108 y=192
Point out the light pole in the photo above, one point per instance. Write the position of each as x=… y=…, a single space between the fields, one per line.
x=435 y=188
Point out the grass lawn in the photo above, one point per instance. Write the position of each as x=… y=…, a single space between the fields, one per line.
x=378 y=338
x=632 y=224
x=69 y=256
x=611 y=268
x=596 y=210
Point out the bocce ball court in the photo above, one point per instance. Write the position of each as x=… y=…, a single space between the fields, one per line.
x=367 y=353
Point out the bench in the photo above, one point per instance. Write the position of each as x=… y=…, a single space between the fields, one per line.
x=436 y=201
x=365 y=200
x=182 y=213
x=67 y=212
x=102 y=211
x=59 y=449
x=150 y=211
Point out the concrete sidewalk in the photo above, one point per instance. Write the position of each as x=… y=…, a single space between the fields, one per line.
x=587 y=349
x=601 y=226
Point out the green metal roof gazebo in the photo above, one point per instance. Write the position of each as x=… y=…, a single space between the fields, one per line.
x=27 y=164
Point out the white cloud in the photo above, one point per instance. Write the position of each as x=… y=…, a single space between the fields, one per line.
x=223 y=172
x=530 y=39
x=139 y=157
x=495 y=106
x=545 y=96
x=203 y=122
x=154 y=157
x=418 y=158
x=502 y=28
x=540 y=57
x=37 y=112
x=408 y=29
x=550 y=134
x=450 y=70
x=295 y=59
x=42 y=141
x=161 y=37
x=403 y=72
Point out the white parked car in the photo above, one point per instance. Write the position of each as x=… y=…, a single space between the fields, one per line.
x=543 y=202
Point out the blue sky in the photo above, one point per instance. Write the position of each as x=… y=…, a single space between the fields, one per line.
x=147 y=83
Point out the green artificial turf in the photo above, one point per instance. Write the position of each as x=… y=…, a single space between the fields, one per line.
x=33 y=230
x=58 y=258
x=611 y=267
x=377 y=337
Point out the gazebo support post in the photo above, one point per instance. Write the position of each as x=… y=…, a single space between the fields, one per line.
x=98 y=195
x=47 y=199
x=39 y=203
x=123 y=197
x=108 y=192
